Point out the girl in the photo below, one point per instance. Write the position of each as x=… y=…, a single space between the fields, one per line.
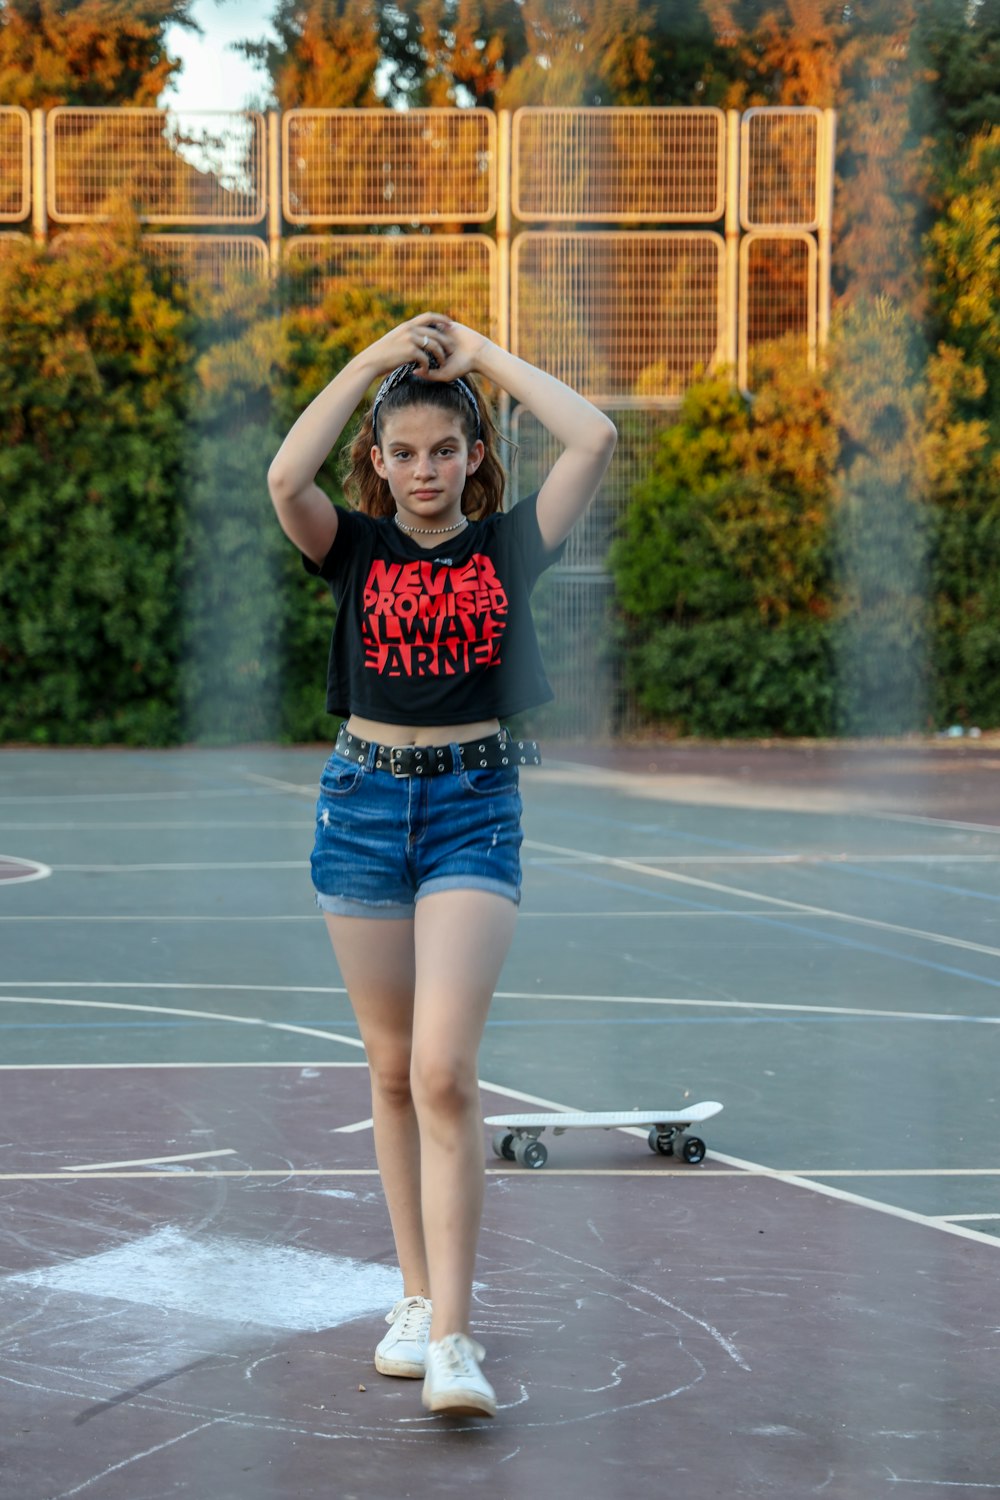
x=416 y=862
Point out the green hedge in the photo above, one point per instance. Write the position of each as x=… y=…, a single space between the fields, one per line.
x=723 y=565
x=823 y=560
x=147 y=594
x=94 y=394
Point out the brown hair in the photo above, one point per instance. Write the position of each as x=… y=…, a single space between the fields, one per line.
x=484 y=490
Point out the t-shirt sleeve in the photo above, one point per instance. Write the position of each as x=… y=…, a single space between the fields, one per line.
x=535 y=556
x=353 y=531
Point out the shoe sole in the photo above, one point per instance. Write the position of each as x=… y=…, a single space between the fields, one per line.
x=400 y=1368
x=461 y=1404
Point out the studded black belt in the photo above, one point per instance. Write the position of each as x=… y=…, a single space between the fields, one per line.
x=491 y=751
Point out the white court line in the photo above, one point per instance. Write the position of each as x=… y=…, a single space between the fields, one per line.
x=129 y=1067
x=277 y=785
x=842 y=1196
x=741 y=1165
x=928 y=821
x=170 y=984
x=525 y=916
x=679 y=1174
x=229 y=864
x=965 y=1218
x=769 y=1005
x=193 y=1173
x=353 y=1129
x=33 y=870
x=660 y=860
x=586 y=857
x=159 y=917
x=149 y=1161
x=89 y=797
x=201 y=1015
x=323 y=989
x=888 y=1172
x=171 y=826
x=822 y=858
x=296 y=825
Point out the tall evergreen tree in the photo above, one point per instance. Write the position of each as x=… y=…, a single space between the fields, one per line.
x=959 y=45
x=583 y=52
x=326 y=54
x=87 y=52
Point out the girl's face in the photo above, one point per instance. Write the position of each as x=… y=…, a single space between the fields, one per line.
x=425 y=458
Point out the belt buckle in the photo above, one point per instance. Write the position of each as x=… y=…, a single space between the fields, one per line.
x=401 y=759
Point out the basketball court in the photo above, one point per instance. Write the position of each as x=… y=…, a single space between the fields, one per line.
x=196 y=1256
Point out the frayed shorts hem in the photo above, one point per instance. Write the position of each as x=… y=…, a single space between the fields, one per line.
x=388 y=911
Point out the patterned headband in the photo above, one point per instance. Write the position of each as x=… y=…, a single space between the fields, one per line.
x=403 y=373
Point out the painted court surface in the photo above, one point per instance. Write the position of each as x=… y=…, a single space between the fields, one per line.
x=196 y=1258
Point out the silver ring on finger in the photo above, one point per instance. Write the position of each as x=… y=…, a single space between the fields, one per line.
x=424 y=342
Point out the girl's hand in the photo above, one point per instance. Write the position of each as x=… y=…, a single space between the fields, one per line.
x=418 y=341
x=462 y=349
x=440 y=348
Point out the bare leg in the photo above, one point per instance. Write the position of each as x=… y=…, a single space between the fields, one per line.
x=377 y=963
x=461 y=940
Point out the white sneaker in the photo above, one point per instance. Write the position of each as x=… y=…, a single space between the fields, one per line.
x=403 y=1351
x=454 y=1382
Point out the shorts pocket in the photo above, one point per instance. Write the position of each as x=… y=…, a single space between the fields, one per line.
x=340 y=778
x=489 y=781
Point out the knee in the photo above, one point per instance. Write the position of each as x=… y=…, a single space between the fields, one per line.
x=444 y=1086
x=391 y=1082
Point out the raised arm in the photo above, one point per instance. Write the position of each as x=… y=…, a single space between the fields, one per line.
x=588 y=437
x=304 y=511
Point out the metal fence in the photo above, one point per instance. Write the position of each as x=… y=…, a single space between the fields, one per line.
x=625 y=250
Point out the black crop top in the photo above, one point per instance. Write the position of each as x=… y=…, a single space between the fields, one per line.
x=438 y=635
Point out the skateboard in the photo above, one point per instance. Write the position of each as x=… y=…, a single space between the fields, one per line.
x=517 y=1138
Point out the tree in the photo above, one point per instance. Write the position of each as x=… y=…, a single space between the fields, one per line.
x=94 y=389
x=882 y=520
x=582 y=52
x=963 y=434
x=859 y=60
x=326 y=55
x=722 y=567
x=466 y=49
x=959 y=46
x=87 y=52
x=964 y=247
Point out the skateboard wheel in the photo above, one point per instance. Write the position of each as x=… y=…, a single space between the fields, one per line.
x=531 y=1154
x=503 y=1145
x=694 y=1150
x=661 y=1141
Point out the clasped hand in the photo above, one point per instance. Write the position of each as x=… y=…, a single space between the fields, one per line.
x=440 y=348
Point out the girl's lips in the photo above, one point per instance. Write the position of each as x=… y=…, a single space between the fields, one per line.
x=425 y=494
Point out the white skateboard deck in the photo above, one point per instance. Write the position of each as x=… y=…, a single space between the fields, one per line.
x=517 y=1135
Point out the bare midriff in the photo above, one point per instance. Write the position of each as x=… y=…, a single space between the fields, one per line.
x=425 y=734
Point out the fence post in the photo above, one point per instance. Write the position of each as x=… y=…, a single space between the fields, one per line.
x=824 y=229
x=274 y=189
x=39 y=178
x=504 y=189
x=730 y=342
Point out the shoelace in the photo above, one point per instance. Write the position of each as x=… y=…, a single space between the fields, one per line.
x=460 y=1355
x=414 y=1316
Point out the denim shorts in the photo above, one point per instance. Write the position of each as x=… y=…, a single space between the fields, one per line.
x=382 y=841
